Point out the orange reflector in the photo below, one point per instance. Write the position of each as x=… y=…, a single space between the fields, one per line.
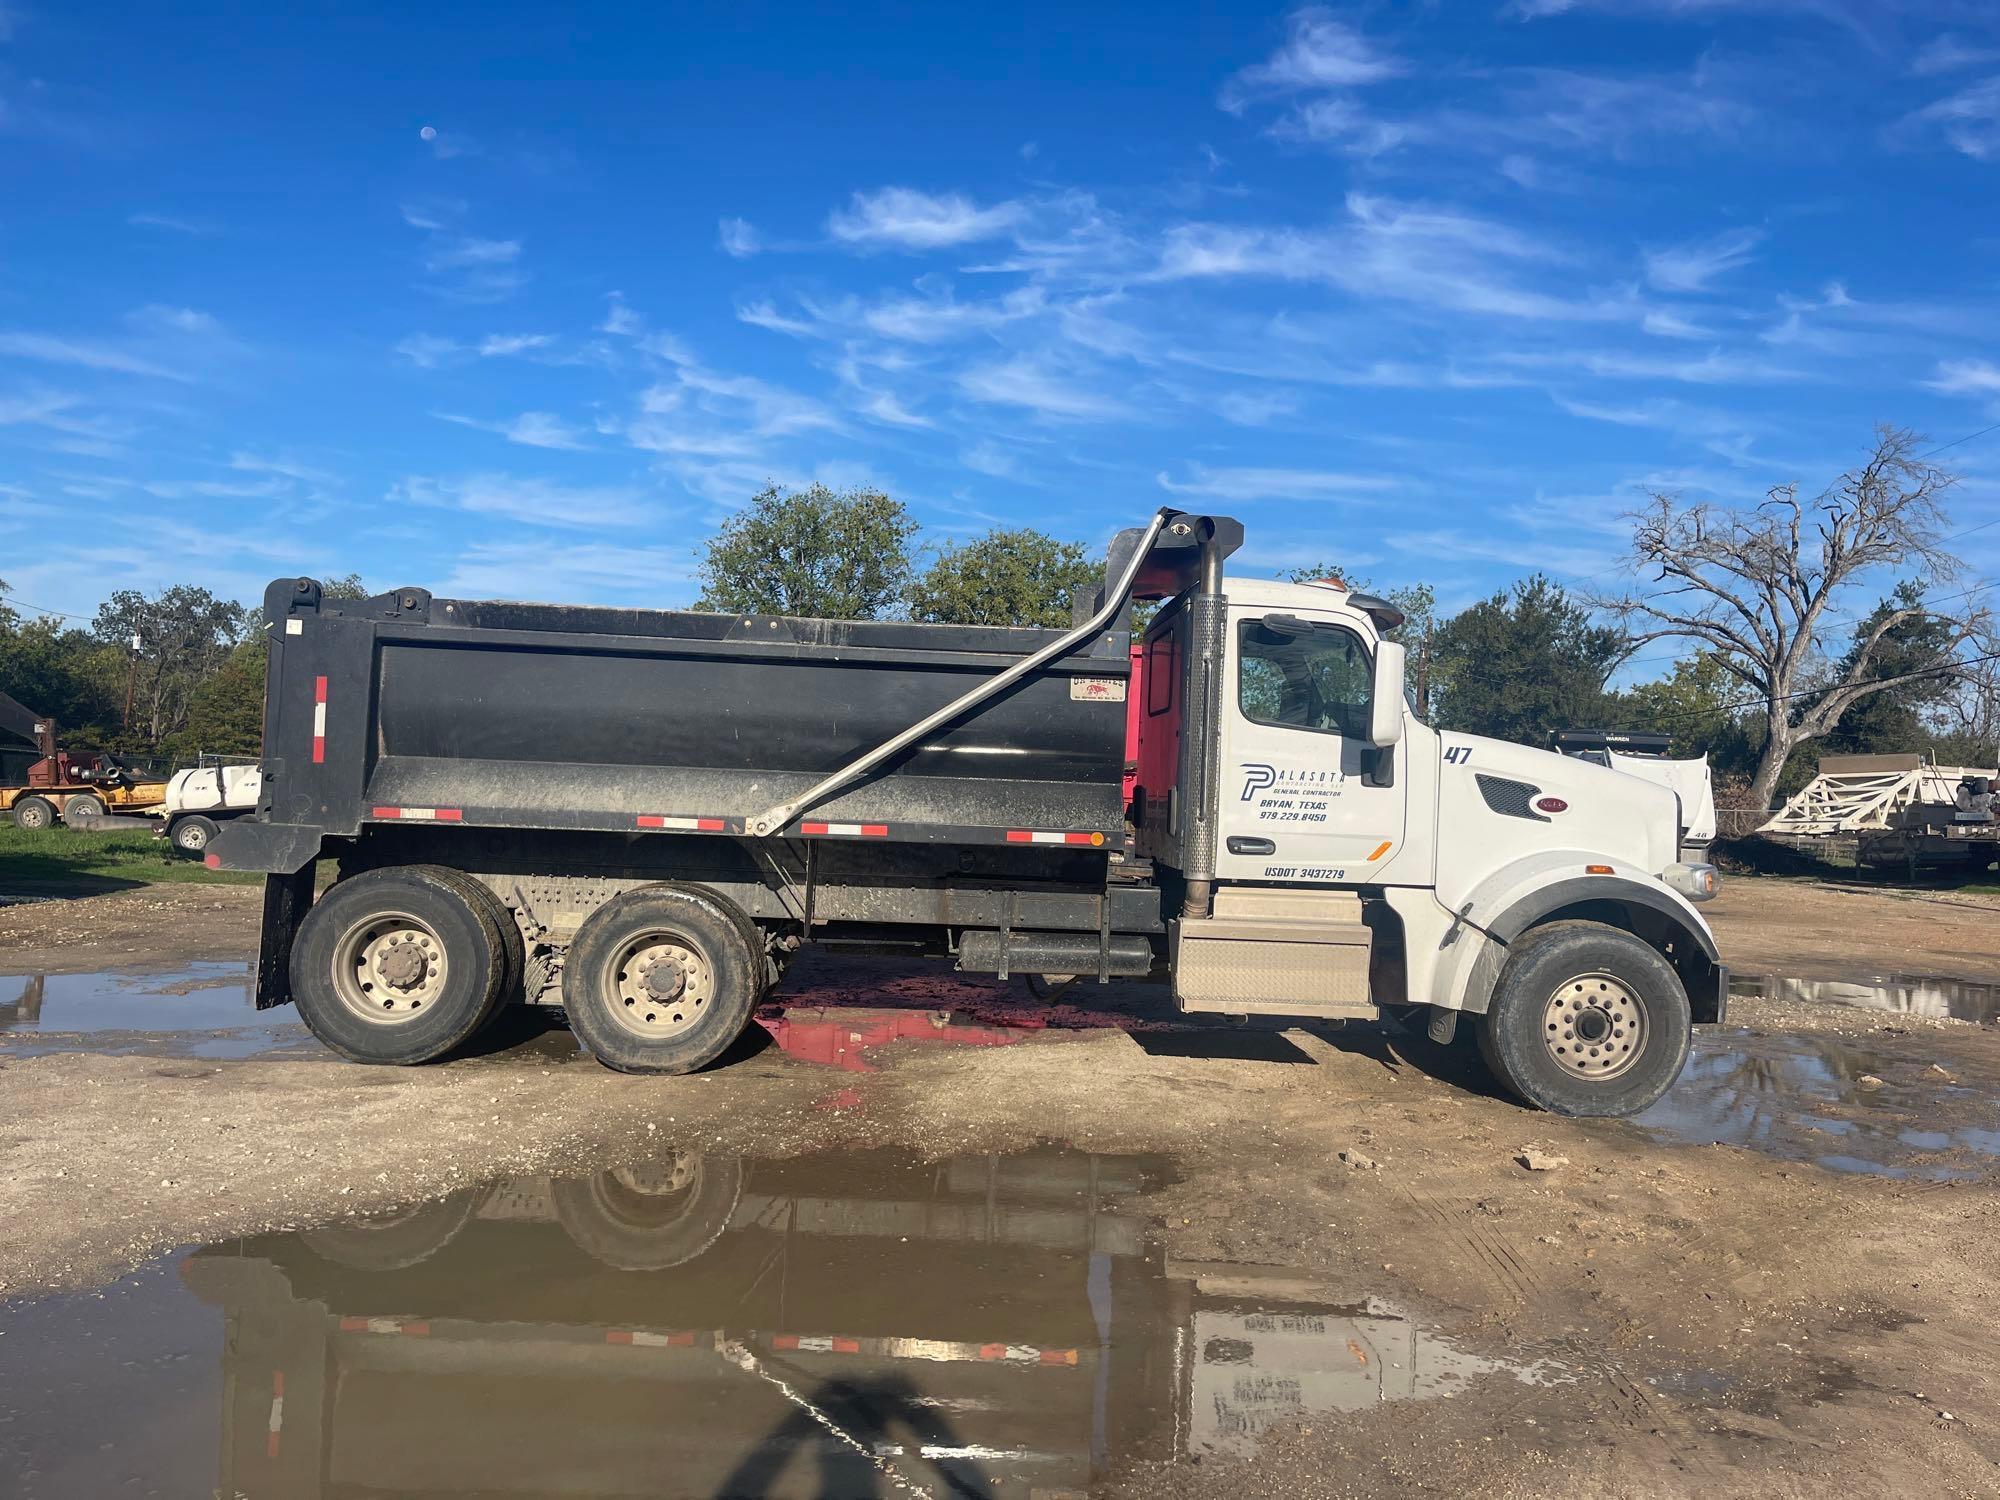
x=1380 y=850
x=1597 y=869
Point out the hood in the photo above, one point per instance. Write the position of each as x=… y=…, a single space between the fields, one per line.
x=1604 y=811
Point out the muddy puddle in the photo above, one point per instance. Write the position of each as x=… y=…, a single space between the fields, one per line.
x=846 y=1324
x=199 y=1010
x=1898 y=994
x=1886 y=1111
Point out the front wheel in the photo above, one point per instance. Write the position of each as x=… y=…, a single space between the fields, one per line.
x=1587 y=1020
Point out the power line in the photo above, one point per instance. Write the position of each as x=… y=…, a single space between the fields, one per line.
x=17 y=600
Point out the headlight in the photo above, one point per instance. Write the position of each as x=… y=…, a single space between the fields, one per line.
x=1696 y=882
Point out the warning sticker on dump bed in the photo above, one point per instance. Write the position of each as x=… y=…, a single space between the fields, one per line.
x=1097 y=689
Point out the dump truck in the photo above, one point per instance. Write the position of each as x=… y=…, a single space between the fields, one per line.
x=60 y=785
x=641 y=816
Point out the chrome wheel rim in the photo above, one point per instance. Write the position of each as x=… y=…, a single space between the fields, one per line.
x=389 y=968
x=660 y=985
x=1594 y=1026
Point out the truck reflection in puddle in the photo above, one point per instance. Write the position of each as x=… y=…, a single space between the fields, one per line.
x=839 y=1325
x=1899 y=994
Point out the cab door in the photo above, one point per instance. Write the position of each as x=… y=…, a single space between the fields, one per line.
x=1304 y=797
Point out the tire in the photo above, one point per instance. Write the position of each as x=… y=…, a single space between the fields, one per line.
x=82 y=805
x=34 y=812
x=417 y=923
x=692 y=1001
x=191 y=834
x=506 y=932
x=1587 y=1020
x=391 y=1241
x=650 y=1218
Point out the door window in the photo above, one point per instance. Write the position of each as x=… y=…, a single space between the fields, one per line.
x=1318 y=678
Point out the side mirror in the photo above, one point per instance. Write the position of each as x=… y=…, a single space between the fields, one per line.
x=1385 y=716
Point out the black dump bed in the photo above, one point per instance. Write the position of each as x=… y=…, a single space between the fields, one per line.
x=409 y=707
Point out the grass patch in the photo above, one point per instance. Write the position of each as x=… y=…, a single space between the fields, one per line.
x=99 y=861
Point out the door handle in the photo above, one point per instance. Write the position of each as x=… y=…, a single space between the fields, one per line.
x=1238 y=844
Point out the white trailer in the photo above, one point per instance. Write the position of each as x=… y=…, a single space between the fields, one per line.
x=1899 y=809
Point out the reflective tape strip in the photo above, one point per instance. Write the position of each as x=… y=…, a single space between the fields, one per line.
x=416 y=1330
x=1032 y=836
x=1380 y=850
x=652 y=1340
x=421 y=814
x=277 y=1423
x=938 y=1351
x=319 y=720
x=845 y=830
x=692 y=825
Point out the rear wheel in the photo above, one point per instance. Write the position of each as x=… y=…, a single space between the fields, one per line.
x=34 y=812
x=83 y=805
x=1587 y=1020
x=649 y=1217
x=399 y=1238
x=191 y=834
x=398 y=965
x=660 y=980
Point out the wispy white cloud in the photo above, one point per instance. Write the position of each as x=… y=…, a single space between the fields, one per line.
x=1667 y=323
x=169 y=222
x=86 y=353
x=1247 y=410
x=1966 y=377
x=1969 y=119
x=1692 y=266
x=427 y=351
x=282 y=465
x=1319 y=52
x=1948 y=52
x=1024 y=382
x=739 y=238
x=620 y=320
x=903 y=218
x=648 y=576
x=1717 y=367
x=1247 y=484
x=534 y=502
x=531 y=429
x=500 y=345
x=470 y=250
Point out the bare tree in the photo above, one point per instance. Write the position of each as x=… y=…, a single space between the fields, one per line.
x=1755 y=587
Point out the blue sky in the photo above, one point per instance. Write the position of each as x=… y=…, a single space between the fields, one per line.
x=523 y=300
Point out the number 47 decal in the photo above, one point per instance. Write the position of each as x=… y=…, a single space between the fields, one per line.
x=1458 y=755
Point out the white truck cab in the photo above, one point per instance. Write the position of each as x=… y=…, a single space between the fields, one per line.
x=1364 y=859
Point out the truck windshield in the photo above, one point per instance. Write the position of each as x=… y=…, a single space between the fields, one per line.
x=1317 y=679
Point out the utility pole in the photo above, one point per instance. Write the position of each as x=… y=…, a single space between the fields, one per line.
x=131 y=681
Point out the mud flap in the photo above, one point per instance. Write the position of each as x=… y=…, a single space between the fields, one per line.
x=286 y=899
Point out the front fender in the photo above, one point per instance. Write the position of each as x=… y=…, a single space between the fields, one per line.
x=1556 y=886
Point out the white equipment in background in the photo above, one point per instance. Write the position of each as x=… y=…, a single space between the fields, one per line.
x=1900 y=808
x=202 y=798
x=1644 y=755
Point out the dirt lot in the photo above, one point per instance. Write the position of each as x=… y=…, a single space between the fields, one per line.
x=1726 y=1317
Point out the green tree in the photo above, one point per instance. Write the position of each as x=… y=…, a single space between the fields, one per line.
x=812 y=552
x=1522 y=665
x=66 y=675
x=1896 y=719
x=1004 y=578
x=184 y=634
